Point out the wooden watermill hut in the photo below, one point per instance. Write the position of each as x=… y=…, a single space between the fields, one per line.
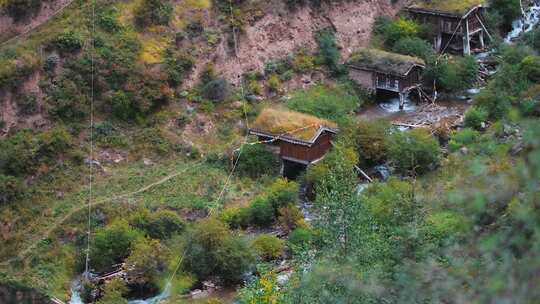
x=302 y=139
x=457 y=24
x=377 y=70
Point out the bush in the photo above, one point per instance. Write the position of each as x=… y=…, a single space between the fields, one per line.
x=18 y=153
x=146 y=263
x=212 y=250
x=158 y=225
x=112 y=244
x=328 y=51
x=393 y=31
x=261 y=212
x=178 y=66
x=268 y=246
x=54 y=141
x=495 y=102
x=153 y=12
x=69 y=42
x=300 y=239
x=474 y=117
x=371 y=141
x=330 y=102
x=10 y=189
x=458 y=74
x=236 y=217
x=415 y=151
x=256 y=160
x=274 y=83
x=107 y=19
x=216 y=90
x=414 y=46
x=509 y=10
x=290 y=217
x=282 y=193
x=462 y=138
x=531 y=67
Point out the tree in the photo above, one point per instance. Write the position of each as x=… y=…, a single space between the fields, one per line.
x=161 y=224
x=212 y=250
x=268 y=246
x=371 y=141
x=256 y=160
x=146 y=263
x=329 y=51
x=112 y=244
x=414 y=152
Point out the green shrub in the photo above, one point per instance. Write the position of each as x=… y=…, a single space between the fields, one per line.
x=414 y=46
x=153 y=12
x=178 y=66
x=460 y=73
x=69 y=42
x=274 y=83
x=497 y=103
x=393 y=31
x=18 y=153
x=107 y=19
x=261 y=212
x=54 y=141
x=390 y=203
x=216 y=90
x=256 y=160
x=329 y=51
x=330 y=102
x=300 y=239
x=236 y=217
x=268 y=247
x=474 y=117
x=415 y=151
x=145 y=263
x=282 y=193
x=462 y=138
x=531 y=67
x=290 y=217
x=509 y=10
x=371 y=141
x=10 y=189
x=212 y=250
x=445 y=224
x=303 y=61
x=161 y=224
x=111 y=244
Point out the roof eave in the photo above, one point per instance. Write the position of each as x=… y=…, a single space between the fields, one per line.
x=293 y=140
x=443 y=13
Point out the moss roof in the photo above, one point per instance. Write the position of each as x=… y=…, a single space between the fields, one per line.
x=383 y=61
x=292 y=124
x=456 y=7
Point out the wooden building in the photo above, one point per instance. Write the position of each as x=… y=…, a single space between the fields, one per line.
x=380 y=70
x=302 y=139
x=457 y=25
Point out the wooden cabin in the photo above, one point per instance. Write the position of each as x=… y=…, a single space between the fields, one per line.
x=302 y=139
x=457 y=25
x=380 y=70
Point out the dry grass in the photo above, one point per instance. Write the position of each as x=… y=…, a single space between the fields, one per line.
x=293 y=124
x=383 y=61
x=451 y=6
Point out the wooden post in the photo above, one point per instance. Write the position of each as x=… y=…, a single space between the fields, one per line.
x=401 y=101
x=466 y=39
x=438 y=42
x=282 y=169
x=481 y=37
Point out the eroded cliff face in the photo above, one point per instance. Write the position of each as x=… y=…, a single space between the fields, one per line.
x=281 y=31
x=11 y=294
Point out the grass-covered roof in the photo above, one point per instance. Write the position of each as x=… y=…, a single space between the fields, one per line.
x=456 y=7
x=382 y=61
x=289 y=123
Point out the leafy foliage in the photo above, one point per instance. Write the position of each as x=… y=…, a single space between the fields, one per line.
x=256 y=161
x=212 y=250
x=268 y=246
x=153 y=12
x=414 y=152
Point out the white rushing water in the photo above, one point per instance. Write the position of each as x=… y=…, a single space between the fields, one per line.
x=391 y=105
x=526 y=23
x=76 y=295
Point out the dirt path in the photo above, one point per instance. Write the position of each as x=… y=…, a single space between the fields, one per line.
x=24 y=253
